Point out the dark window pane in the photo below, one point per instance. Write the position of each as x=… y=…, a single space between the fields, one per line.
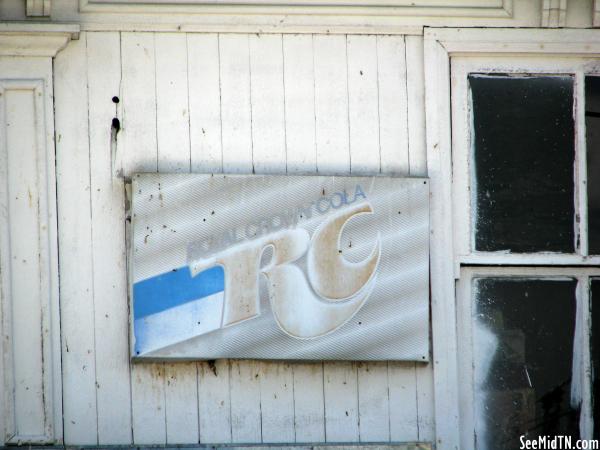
x=523 y=352
x=592 y=125
x=595 y=348
x=524 y=160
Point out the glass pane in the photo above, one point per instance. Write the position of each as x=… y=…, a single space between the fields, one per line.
x=524 y=158
x=523 y=353
x=595 y=347
x=592 y=125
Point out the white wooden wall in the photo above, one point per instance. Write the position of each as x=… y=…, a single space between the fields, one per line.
x=236 y=103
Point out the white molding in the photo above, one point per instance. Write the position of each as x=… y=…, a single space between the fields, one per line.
x=554 y=13
x=38 y=8
x=448 y=8
x=30 y=325
x=572 y=42
x=35 y=39
x=298 y=16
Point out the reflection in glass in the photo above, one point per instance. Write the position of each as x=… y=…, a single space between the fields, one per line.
x=523 y=355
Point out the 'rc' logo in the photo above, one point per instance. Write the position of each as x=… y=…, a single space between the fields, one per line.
x=303 y=308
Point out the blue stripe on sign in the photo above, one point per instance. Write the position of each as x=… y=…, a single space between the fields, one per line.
x=174 y=288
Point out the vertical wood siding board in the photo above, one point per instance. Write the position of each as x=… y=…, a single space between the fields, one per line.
x=139 y=85
x=172 y=112
x=393 y=114
x=277 y=402
x=139 y=149
x=79 y=395
x=204 y=98
x=312 y=36
x=341 y=402
x=220 y=104
x=299 y=100
x=363 y=107
x=331 y=106
x=267 y=103
x=181 y=406
x=214 y=402
x=416 y=105
x=107 y=206
x=309 y=404
x=403 y=415
x=245 y=402
x=235 y=103
x=425 y=403
x=373 y=402
x=285 y=153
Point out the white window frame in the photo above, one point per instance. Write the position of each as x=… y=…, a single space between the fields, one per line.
x=444 y=47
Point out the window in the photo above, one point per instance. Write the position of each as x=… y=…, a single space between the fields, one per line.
x=526 y=205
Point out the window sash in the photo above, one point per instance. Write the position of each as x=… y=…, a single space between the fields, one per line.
x=463 y=151
x=464 y=316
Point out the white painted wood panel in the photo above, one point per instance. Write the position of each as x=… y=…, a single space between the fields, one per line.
x=309 y=402
x=277 y=402
x=75 y=246
x=172 y=108
x=298 y=62
x=181 y=403
x=111 y=316
x=415 y=88
x=403 y=402
x=30 y=362
x=238 y=103
x=373 y=402
x=204 y=96
x=331 y=105
x=266 y=92
x=138 y=136
x=341 y=402
x=363 y=105
x=214 y=403
x=393 y=107
x=236 y=115
x=245 y=401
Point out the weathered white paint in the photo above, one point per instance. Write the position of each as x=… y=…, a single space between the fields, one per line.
x=244 y=92
x=30 y=361
x=75 y=245
x=111 y=314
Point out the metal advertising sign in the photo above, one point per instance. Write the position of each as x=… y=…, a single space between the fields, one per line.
x=280 y=267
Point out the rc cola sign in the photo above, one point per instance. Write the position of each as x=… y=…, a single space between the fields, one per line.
x=279 y=267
